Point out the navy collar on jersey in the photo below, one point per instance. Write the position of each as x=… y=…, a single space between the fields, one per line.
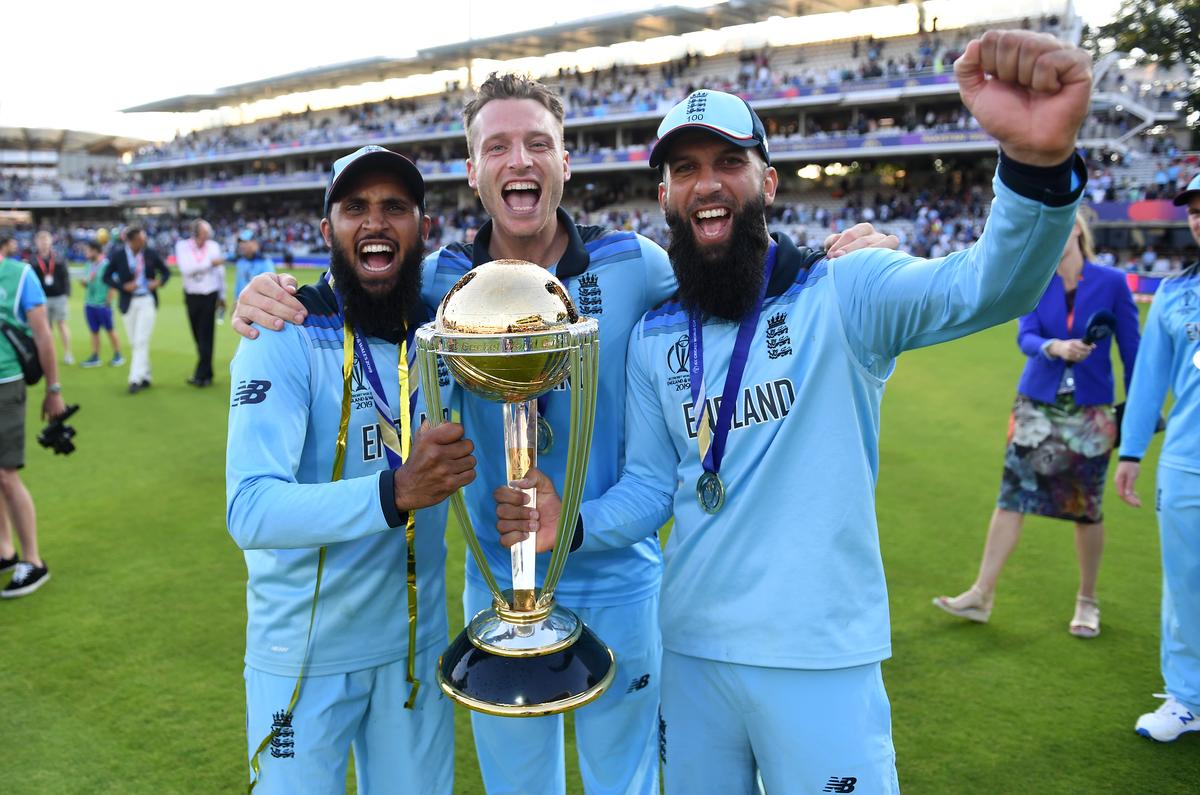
x=574 y=260
x=791 y=260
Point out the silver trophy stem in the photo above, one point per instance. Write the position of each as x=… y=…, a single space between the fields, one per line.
x=520 y=443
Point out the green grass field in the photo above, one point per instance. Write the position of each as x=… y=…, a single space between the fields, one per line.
x=123 y=674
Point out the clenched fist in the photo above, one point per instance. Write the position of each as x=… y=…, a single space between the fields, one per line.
x=1028 y=90
x=439 y=463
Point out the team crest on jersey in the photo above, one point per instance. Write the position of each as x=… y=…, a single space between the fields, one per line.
x=779 y=342
x=591 y=302
x=677 y=364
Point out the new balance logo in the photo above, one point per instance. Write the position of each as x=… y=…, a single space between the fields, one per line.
x=638 y=684
x=845 y=784
x=250 y=392
x=283 y=744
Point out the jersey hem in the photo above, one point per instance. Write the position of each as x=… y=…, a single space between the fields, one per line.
x=794 y=662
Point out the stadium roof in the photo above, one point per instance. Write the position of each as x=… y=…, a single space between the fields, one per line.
x=43 y=139
x=599 y=31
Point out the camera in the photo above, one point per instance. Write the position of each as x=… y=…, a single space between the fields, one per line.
x=57 y=435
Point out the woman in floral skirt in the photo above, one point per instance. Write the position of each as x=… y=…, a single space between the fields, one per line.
x=1062 y=428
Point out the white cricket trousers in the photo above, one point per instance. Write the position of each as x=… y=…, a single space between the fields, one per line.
x=139 y=325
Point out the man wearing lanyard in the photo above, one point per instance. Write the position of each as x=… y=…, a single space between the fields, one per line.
x=51 y=267
x=202 y=267
x=753 y=416
x=137 y=272
x=339 y=507
x=518 y=165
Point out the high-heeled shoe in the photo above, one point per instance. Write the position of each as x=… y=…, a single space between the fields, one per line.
x=1086 y=621
x=972 y=604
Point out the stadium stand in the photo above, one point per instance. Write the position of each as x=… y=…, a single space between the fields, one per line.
x=863 y=128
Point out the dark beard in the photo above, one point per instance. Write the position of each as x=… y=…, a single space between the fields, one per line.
x=380 y=315
x=723 y=281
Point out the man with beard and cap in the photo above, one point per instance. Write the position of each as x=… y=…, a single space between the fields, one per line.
x=339 y=507
x=518 y=165
x=1169 y=360
x=752 y=416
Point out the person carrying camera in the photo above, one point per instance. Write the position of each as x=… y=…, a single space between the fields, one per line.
x=22 y=303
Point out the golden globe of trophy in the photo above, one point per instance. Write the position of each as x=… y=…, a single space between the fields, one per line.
x=508 y=332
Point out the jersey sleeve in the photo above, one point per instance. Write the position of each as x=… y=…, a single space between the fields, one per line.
x=640 y=501
x=266 y=507
x=892 y=302
x=1148 y=388
x=660 y=276
x=32 y=294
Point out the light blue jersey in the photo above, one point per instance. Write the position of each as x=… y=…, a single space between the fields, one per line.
x=283 y=426
x=247 y=269
x=1169 y=358
x=614 y=277
x=788 y=574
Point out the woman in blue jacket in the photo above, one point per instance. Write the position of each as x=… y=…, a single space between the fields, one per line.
x=1062 y=427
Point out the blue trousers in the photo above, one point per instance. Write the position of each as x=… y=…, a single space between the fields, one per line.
x=805 y=731
x=1178 y=504
x=396 y=750
x=616 y=736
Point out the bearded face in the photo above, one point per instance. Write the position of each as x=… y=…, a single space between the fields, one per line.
x=720 y=279
x=381 y=310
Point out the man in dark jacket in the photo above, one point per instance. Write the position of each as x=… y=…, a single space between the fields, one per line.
x=137 y=272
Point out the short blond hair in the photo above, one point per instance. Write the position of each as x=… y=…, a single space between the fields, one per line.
x=511 y=86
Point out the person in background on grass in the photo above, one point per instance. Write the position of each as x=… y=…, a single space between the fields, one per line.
x=53 y=271
x=1063 y=428
x=137 y=272
x=22 y=303
x=1170 y=362
x=250 y=261
x=201 y=265
x=97 y=305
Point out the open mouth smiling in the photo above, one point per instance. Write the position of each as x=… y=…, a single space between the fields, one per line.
x=521 y=196
x=376 y=256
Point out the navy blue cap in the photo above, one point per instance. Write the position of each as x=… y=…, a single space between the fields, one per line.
x=374 y=159
x=1192 y=189
x=724 y=115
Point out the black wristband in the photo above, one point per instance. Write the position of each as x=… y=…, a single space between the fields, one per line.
x=1050 y=185
x=1135 y=459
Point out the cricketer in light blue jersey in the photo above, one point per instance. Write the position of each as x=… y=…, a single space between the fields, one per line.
x=351 y=656
x=773 y=608
x=1169 y=360
x=613 y=276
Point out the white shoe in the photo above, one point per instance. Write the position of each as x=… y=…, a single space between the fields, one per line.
x=68 y=358
x=1166 y=723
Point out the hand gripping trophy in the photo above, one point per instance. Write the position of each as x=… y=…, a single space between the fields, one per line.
x=508 y=332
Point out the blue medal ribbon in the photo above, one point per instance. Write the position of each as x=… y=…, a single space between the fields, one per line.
x=712 y=441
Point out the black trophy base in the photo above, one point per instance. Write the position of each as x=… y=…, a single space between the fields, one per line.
x=526 y=687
